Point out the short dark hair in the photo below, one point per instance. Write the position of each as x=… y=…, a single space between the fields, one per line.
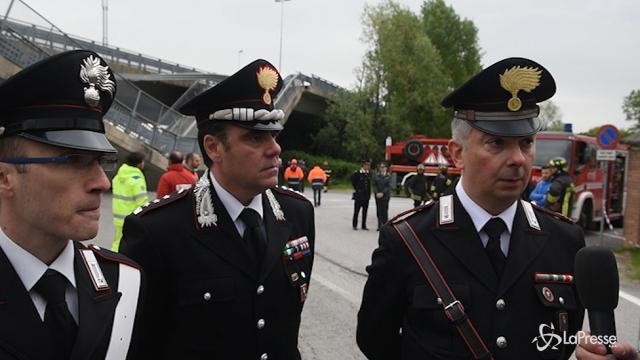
x=213 y=128
x=134 y=158
x=175 y=157
x=190 y=156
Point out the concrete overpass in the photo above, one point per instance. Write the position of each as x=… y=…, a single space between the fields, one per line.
x=143 y=116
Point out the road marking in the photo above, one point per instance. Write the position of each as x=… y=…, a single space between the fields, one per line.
x=630 y=298
x=335 y=288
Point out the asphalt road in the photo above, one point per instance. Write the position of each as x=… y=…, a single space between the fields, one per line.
x=329 y=318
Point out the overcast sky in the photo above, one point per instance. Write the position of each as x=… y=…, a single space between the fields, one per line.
x=591 y=47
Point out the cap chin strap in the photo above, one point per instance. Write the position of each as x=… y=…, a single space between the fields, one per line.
x=472 y=115
x=247 y=114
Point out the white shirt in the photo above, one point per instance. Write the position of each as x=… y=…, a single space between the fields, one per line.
x=480 y=217
x=235 y=207
x=30 y=269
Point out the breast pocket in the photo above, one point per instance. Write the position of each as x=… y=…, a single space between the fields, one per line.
x=207 y=291
x=425 y=305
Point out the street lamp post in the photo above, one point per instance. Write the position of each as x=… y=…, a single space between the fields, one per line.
x=281 y=27
x=105 y=22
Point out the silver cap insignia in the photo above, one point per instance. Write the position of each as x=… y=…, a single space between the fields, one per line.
x=98 y=78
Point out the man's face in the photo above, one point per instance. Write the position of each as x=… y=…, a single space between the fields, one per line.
x=545 y=174
x=54 y=202
x=503 y=164
x=248 y=164
x=366 y=166
x=195 y=161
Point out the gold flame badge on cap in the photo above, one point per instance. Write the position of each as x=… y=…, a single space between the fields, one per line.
x=519 y=78
x=268 y=80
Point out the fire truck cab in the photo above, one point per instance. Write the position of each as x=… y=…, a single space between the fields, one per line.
x=404 y=156
x=588 y=175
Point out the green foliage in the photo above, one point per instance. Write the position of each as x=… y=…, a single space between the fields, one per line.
x=631 y=108
x=456 y=40
x=551 y=116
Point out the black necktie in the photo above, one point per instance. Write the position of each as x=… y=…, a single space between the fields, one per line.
x=494 y=228
x=58 y=321
x=254 y=235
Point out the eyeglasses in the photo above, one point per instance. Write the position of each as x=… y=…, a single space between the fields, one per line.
x=108 y=162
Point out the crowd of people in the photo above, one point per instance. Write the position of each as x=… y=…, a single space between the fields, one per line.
x=219 y=266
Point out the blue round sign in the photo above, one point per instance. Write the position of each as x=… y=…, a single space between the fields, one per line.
x=608 y=137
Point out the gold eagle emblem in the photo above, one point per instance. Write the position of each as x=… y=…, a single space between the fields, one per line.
x=268 y=81
x=519 y=78
x=98 y=78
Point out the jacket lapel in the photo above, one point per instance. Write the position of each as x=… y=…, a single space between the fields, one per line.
x=21 y=325
x=525 y=245
x=224 y=240
x=95 y=309
x=278 y=233
x=464 y=243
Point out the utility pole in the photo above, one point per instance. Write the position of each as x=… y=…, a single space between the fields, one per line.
x=105 y=22
x=281 y=28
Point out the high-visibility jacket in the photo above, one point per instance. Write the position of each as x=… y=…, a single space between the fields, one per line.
x=317 y=176
x=294 y=177
x=129 y=192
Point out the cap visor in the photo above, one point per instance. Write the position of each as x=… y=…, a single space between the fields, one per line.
x=73 y=139
x=524 y=127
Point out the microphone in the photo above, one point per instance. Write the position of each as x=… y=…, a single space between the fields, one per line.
x=596 y=276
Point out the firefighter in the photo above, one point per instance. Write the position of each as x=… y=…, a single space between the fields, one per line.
x=562 y=187
x=442 y=183
x=418 y=186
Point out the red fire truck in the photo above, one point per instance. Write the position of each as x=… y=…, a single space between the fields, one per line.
x=588 y=174
x=579 y=151
x=404 y=156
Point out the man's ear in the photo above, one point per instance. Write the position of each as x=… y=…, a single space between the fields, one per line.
x=213 y=147
x=455 y=150
x=8 y=174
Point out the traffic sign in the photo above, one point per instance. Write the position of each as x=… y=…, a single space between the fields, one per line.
x=608 y=137
x=606 y=155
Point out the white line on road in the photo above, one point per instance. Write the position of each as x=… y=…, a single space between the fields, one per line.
x=335 y=288
x=630 y=298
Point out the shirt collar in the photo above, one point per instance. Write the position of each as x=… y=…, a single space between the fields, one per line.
x=231 y=204
x=480 y=216
x=30 y=269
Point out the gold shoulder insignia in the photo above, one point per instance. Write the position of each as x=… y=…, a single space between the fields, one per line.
x=519 y=78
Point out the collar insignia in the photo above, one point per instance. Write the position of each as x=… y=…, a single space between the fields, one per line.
x=204 y=206
x=446 y=209
x=275 y=205
x=519 y=78
x=97 y=77
x=531 y=215
x=268 y=80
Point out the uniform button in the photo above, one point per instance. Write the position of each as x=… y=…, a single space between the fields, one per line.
x=207 y=296
x=261 y=323
x=501 y=342
x=561 y=300
x=260 y=290
x=501 y=304
x=264 y=356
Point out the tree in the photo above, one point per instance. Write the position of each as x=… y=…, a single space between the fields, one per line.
x=551 y=116
x=455 y=39
x=631 y=108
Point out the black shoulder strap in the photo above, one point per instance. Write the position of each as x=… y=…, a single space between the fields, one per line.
x=453 y=309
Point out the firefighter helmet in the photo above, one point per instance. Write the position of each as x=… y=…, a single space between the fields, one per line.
x=558 y=162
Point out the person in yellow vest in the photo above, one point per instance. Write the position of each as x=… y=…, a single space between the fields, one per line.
x=317 y=179
x=129 y=192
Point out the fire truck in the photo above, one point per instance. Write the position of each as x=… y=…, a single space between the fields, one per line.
x=588 y=175
x=404 y=156
x=580 y=152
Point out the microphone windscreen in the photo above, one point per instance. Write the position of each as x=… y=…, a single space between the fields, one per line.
x=596 y=276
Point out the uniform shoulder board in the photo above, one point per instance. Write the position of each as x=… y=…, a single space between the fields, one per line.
x=553 y=214
x=407 y=214
x=158 y=203
x=111 y=256
x=290 y=192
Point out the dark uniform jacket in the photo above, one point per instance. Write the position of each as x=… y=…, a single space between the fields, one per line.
x=204 y=301
x=23 y=337
x=397 y=295
x=362 y=185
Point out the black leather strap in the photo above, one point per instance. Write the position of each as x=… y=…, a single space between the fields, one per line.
x=453 y=309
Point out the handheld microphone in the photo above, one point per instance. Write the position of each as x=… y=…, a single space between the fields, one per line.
x=596 y=276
